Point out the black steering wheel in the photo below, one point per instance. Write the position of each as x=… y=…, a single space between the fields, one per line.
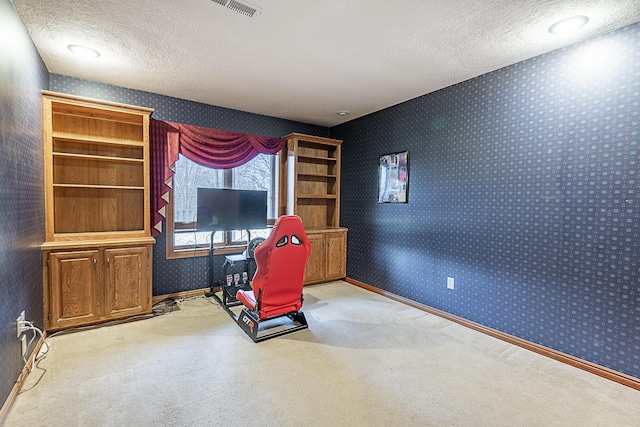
x=252 y=245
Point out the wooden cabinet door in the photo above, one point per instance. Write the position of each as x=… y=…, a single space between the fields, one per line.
x=336 y=254
x=75 y=294
x=127 y=285
x=315 y=266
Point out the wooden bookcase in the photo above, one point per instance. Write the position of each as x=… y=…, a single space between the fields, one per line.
x=96 y=169
x=97 y=254
x=309 y=177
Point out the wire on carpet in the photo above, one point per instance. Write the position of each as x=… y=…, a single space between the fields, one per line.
x=165 y=306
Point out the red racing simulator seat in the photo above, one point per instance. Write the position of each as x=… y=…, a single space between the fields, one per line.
x=277 y=285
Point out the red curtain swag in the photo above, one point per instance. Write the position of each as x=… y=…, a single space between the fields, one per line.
x=214 y=148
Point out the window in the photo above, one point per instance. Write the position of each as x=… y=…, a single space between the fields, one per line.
x=182 y=238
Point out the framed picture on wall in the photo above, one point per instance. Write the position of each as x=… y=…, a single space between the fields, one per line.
x=393 y=178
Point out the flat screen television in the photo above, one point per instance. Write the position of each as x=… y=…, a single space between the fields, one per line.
x=221 y=209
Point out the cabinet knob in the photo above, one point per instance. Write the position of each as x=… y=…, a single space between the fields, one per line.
x=108 y=261
x=94 y=263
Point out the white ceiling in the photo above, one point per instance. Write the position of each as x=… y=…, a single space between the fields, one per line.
x=304 y=59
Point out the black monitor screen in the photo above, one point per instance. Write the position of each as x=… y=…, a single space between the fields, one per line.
x=222 y=209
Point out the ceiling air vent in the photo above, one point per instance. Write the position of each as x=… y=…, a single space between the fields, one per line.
x=243 y=8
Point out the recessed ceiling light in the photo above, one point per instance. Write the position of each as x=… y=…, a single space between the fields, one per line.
x=85 y=52
x=342 y=113
x=569 y=24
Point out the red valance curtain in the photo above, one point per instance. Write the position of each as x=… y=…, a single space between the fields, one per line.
x=209 y=147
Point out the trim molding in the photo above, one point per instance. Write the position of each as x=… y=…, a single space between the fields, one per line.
x=593 y=368
x=180 y=295
x=6 y=407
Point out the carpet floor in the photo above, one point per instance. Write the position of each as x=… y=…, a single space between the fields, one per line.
x=364 y=361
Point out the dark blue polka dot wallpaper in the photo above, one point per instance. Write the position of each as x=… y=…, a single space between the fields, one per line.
x=524 y=186
x=22 y=77
x=178 y=275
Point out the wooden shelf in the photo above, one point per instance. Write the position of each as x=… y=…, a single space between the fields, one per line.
x=96 y=168
x=68 y=136
x=316 y=175
x=324 y=159
x=70 y=240
x=94 y=115
x=316 y=184
x=95 y=157
x=117 y=187
x=317 y=196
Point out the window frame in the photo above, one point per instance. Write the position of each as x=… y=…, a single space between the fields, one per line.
x=228 y=246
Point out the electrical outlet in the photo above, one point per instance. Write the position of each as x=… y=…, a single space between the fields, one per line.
x=23 y=342
x=20 y=323
x=450 y=283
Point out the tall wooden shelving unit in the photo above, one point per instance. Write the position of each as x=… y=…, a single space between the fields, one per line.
x=309 y=177
x=97 y=254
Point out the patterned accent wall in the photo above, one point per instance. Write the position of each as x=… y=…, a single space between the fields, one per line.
x=524 y=186
x=178 y=275
x=22 y=76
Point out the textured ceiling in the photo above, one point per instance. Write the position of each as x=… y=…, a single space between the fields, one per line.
x=304 y=59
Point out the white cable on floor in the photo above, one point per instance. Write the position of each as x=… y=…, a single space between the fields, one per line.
x=28 y=326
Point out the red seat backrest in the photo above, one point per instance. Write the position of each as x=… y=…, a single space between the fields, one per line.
x=281 y=260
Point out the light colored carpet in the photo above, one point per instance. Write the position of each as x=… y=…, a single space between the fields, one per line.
x=365 y=361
